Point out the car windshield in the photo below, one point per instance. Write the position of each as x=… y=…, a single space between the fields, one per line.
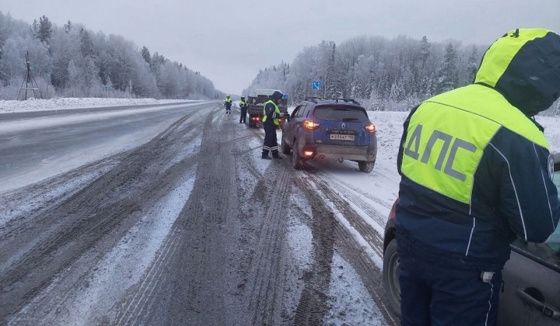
x=554 y=240
x=340 y=113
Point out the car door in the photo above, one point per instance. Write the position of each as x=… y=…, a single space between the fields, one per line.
x=531 y=288
x=289 y=127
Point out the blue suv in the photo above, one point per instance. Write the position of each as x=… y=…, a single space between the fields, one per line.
x=330 y=129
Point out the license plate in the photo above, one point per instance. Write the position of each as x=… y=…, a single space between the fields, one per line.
x=341 y=137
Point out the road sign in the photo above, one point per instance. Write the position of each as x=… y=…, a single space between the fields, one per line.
x=316 y=85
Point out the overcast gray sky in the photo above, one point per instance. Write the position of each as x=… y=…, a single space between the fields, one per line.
x=230 y=40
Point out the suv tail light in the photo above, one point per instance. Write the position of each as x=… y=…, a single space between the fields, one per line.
x=310 y=124
x=371 y=128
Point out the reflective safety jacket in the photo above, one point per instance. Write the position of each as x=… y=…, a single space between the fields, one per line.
x=271 y=113
x=228 y=101
x=476 y=170
x=243 y=104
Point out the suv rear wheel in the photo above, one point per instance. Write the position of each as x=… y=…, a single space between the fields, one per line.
x=366 y=166
x=297 y=163
x=391 y=276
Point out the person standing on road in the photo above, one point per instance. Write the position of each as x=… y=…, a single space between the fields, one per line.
x=271 y=116
x=476 y=175
x=243 y=108
x=227 y=104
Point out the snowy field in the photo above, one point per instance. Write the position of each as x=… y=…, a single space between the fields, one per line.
x=33 y=105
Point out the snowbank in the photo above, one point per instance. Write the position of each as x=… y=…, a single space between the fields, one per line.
x=77 y=103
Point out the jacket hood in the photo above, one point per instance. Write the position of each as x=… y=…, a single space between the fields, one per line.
x=524 y=66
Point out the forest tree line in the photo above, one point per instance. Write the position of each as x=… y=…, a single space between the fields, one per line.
x=381 y=73
x=72 y=61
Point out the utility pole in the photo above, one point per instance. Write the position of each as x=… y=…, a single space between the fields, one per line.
x=29 y=83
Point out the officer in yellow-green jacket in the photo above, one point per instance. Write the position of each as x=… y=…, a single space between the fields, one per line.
x=227 y=104
x=476 y=174
x=243 y=105
x=270 y=121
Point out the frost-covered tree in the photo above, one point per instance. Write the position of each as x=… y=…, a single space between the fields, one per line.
x=75 y=79
x=86 y=44
x=73 y=61
x=44 y=29
x=375 y=70
x=146 y=55
x=448 y=74
x=472 y=64
x=67 y=27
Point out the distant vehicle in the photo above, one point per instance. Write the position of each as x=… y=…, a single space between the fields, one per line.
x=336 y=129
x=256 y=105
x=531 y=278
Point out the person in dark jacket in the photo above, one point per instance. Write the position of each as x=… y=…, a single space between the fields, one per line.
x=243 y=108
x=271 y=121
x=475 y=176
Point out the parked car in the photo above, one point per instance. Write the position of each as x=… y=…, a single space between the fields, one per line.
x=531 y=278
x=336 y=129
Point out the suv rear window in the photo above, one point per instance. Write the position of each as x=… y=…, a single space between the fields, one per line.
x=340 y=113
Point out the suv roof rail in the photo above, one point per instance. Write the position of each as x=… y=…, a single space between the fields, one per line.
x=313 y=99
x=316 y=99
x=351 y=100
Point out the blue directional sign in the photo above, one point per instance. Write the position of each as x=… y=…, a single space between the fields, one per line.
x=316 y=85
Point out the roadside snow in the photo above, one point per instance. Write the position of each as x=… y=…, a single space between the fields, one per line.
x=299 y=235
x=77 y=103
x=58 y=191
x=349 y=300
x=13 y=126
x=358 y=237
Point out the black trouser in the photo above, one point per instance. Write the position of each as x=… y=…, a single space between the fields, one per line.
x=270 y=140
x=438 y=295
x=243 y=116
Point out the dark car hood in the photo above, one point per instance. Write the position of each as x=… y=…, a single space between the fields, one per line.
x=524 y=66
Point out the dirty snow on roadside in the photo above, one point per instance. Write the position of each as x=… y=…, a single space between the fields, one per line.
x=34 y=105
x=96 y=294
x=58 y=189
x=349 y=301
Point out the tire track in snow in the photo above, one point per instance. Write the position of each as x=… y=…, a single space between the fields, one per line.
x=263 y=304
x=352 y=234
x=132 y=310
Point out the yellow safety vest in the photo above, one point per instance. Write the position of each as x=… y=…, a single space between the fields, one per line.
x=275 y=120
